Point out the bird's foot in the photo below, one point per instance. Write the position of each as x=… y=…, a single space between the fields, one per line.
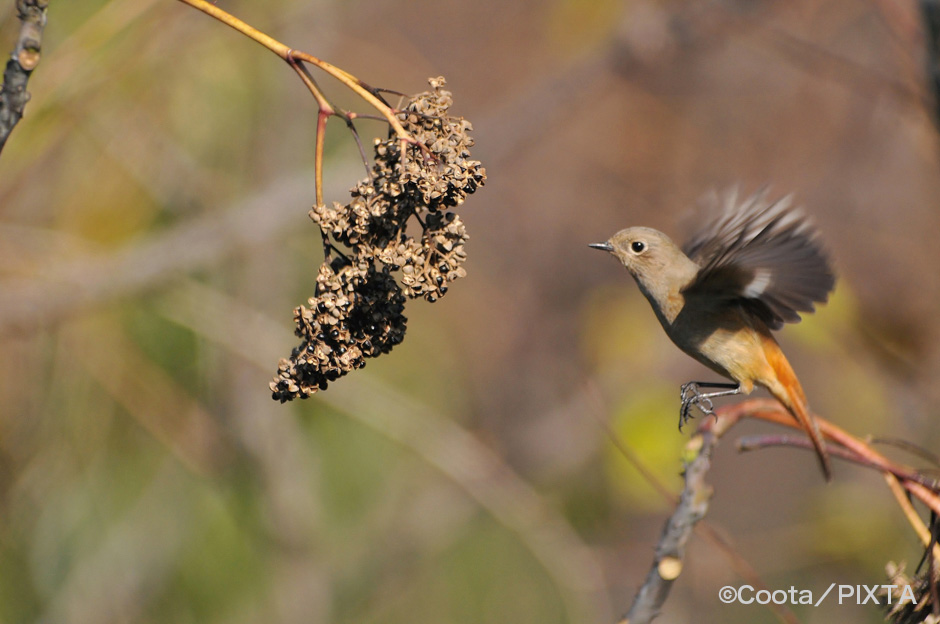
x=691 y=394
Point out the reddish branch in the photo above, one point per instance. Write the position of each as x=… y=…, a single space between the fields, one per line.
x=693 y=503
x=846 y=445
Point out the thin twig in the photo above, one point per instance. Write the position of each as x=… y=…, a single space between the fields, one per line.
x=847 y=447
x=322 y=118
x=350 y=115
x=380 y=90
x=923 y=534
x=757 y=442
x=910 y=447
x=296 y=60
x=292 y=57
x=348 y=118
x=771 y=411
x=325 y=111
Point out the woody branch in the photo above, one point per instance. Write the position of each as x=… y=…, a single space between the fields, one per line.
x=903 y=481
x=23 y=60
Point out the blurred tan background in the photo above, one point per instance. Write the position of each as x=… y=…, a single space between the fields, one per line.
x=154 y=240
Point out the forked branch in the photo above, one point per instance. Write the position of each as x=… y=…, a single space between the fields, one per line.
x=296 y=60
x=905 y=483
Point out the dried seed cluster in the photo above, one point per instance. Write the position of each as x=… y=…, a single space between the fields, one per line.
x=357 y=311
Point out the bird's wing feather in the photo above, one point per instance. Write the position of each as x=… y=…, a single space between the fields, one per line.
x=764 y=253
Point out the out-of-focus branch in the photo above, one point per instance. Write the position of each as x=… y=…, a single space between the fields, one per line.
x=667 y=562
x=25 y=58
x=930 y=14
x=139 y=551
x=437 y=440
x=68 y=286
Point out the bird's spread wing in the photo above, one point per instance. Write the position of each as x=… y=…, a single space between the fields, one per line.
x=762 y=252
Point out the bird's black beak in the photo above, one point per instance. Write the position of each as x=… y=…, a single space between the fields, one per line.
x=602 y=246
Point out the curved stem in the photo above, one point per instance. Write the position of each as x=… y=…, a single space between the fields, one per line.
x=322 y=118
x=312 y=85
x=765 y=409
x=360 y=88
x=230 y=20
x=911 y=514
x=292 y=56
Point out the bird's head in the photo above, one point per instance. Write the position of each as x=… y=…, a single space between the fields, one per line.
x=647 y=253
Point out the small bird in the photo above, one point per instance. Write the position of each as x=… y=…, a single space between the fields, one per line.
x=755 y=265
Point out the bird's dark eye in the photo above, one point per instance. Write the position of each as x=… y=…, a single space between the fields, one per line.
x=637 y=246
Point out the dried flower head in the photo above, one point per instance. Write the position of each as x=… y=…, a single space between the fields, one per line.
x=357 y=311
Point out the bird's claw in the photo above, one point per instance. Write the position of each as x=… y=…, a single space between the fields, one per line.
x=690 y=395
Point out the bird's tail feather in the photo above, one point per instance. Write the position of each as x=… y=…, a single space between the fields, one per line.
x=790 y=393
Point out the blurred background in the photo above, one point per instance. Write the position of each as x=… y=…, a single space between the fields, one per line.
x=154 y=241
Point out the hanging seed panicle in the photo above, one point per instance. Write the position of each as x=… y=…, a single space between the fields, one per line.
x=357 y=313
x=358 y=309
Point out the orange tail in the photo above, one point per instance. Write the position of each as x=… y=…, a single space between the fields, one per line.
x=788 y=391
